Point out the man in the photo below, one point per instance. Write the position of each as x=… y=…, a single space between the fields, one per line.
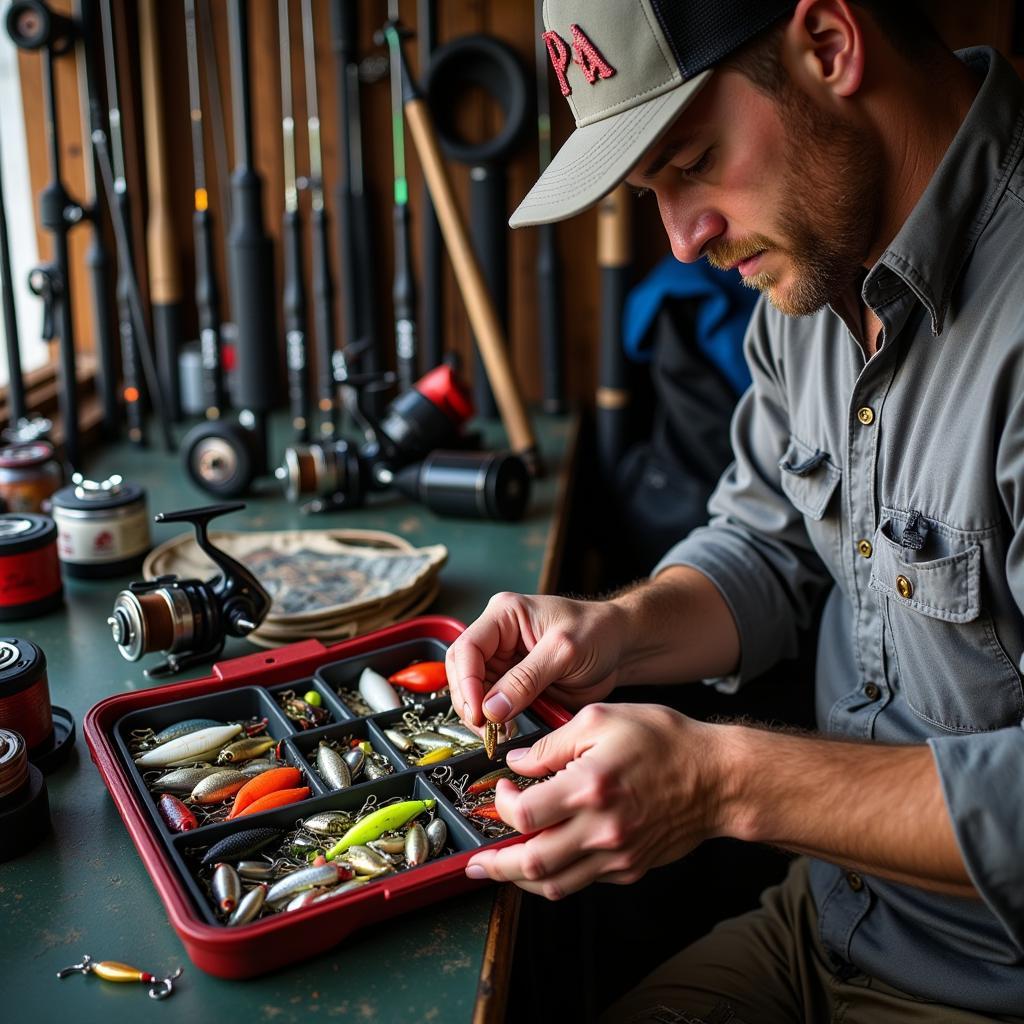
x=869 y=183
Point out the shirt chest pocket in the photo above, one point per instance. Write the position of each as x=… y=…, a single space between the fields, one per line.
x=949 y=664
x=809 y=478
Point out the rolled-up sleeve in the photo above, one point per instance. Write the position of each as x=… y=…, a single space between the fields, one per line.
x=982 y=772
x=755 y=548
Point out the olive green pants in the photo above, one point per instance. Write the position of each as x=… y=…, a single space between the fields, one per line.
x=769 y=967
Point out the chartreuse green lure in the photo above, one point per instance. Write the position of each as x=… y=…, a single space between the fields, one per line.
x=375 y=824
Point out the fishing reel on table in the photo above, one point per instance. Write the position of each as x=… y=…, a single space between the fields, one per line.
x=418 y=448
x=188 y=620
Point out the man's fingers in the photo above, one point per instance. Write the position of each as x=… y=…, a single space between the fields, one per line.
x=551 y=658
x=577 y=875
x=542 y=856
x=556 y=749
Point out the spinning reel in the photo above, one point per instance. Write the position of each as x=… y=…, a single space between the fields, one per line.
x=189 y=620
x=404 y=452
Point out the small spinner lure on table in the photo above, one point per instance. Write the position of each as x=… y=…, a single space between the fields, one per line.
x=111 y=970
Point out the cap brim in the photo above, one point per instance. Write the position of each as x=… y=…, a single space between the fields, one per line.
x=596 y=157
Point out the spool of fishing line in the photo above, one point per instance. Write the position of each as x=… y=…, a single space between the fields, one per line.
x=29 y=568
x=103 y=527
x=24 y=804
x=25 y=691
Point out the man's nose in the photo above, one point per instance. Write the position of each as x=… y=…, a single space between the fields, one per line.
x=689 y=232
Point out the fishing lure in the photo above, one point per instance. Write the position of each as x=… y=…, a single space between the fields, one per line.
x=355 y=759
x=308 y=878
x=220 y=786
x=333 y=768
x=253 y=768
x=183 y=780
x=177 y=816
x=241 y=844
x=437 y=833
x=489 y=781
x=251 y=905
x=376 y=823
x=255 y=870
x=328 y=823
x=417 y=845
x=111 y=970
x=173 y=732
x=427 y=739
x=491 y=739
x=377 y=691
x=435 y=755
x=268 y=782
x=421 y=677
x=460 y=733
x=400 y=740
x=227 y=887
x=488 y=812
x=279 y=798
x=188 y=749
x=367 y=862
x=245 y=750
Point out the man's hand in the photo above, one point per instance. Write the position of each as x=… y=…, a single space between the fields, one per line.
x=636 y=787
x=521 y=646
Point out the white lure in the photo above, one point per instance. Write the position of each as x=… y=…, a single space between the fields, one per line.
x=190 y=748
x=377 y=691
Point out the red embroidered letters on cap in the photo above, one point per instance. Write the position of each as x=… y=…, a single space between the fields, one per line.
x=559 y=54
x=588 y=58
x=585 y=55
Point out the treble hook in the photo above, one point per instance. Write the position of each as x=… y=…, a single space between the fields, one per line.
x=111 y=970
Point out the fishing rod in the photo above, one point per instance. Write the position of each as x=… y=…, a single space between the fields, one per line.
x=548 y=305
x=293 y=296
x=16 y=407
x=323 y=284
x=97 y=256
x=403 y=288
x=479 y=308
x=207 y=292
x=224 y=457
x=213 y=96
x=358 y=307
x=136 y=346
x=490 y=65
x=614 y=256
x=431 y=261
x=165 y=288
x=33 y=26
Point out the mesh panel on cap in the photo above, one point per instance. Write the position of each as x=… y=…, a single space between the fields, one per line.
x=702 y=32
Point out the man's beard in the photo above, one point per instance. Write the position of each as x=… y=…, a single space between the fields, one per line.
x=829 y=215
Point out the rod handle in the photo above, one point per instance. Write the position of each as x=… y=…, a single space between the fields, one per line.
x=293 y=302
x=208 y=313
x=323 y=318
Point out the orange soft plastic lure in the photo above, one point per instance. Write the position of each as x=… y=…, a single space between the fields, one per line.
x=421 y=677
x=267 y=782
x=279 y=798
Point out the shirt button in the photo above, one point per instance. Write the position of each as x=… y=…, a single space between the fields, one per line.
x=854 y=881
x=871 y=691
x=864 y=548
x=904 y=587
x=866 y=415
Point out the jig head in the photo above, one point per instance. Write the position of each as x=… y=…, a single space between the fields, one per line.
x=111 y=970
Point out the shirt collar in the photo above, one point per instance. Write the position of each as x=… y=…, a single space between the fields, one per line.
x=937 y=238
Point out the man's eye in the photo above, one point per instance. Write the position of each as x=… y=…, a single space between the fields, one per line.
x=703 y=164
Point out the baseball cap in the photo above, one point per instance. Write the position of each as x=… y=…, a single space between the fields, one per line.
x=628 y=68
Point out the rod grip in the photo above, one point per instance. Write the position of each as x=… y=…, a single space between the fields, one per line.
x=251 y=272
x=293 y=303
x=403 y=297
x=166 y=336
x=208 y=312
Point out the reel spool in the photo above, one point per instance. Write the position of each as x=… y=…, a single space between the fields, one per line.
x=329 y=468
x=223 y=457
x=189 y=620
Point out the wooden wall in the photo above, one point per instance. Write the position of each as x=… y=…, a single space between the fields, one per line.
x=512 y=20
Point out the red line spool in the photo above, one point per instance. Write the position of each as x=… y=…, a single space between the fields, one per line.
x=30 y=581
x=25 y=692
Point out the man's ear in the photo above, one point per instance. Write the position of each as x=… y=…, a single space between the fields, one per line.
x=823 y=47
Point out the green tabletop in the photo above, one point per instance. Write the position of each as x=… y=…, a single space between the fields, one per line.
x=85 y=890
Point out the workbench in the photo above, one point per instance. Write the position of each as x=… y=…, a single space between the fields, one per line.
x=85 y=890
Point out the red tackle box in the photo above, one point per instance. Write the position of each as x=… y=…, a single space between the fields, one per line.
x=247 y=687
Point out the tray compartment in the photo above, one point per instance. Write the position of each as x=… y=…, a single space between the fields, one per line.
x=239 y=704
x=306 y=745
x=187 y=853
x=336 y=711
x=527 y=726
x=344 y=673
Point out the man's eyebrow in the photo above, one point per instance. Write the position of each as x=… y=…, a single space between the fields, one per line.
x=655 y=167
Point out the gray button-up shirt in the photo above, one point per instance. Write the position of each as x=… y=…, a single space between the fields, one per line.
x=895 y=486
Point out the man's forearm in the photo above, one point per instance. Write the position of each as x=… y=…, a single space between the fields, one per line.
x=874 y=808
x=678 y=628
